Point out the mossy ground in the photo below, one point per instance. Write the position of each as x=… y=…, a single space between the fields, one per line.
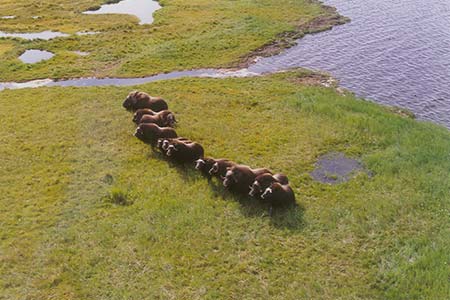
x=89 y=212
x=185 y=35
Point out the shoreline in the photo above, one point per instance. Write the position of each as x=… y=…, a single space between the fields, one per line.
x=282 y=41
x=288 y=39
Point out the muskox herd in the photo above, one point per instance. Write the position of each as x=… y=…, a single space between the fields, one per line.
x=155 y=126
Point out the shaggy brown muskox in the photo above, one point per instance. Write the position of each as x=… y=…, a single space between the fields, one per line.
x=181 y=152
x=263 y=181
x=163 y=143
x=204 y=165
x=220 y=167
x=136 y=100
x=140 y=112
x=279 y=195
x=150 y=133
x=239 y=178
x=166 y=142
x=164 y=118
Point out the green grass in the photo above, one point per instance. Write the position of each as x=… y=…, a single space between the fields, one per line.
x=185 y=35
x=69 y=162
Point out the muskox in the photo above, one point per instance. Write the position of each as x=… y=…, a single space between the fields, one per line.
x=140 y=112
x=165 y=142
x=136 y=100
x=220 y=167
x=263 y=181
x=164 y=118
x=204 y=165
x=150 y=133
x=279 y=195
x=239 y=178
x=182 y=152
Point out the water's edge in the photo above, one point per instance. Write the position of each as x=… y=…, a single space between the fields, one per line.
x=283 y=41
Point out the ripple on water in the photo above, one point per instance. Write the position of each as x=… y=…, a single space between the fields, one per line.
x=33 y=56
x=392 y=52
x=143 y=9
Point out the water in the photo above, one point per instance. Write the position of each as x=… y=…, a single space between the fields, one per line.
x=44 y=35
x=34 y=56
x=393 y=52
x=92 y=81
x=81 y=53
x=143 y=9
x=335 y=168
x=81 y=33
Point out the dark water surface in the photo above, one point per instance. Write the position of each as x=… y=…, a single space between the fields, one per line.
x=393 y=52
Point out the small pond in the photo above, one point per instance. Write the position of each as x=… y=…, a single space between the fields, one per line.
x=81 y=33
x=44 y=35
x=81 y=53
x=34 y=56
x=143 y=9
x=335 y=168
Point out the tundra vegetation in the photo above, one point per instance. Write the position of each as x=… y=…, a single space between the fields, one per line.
x=87 y=211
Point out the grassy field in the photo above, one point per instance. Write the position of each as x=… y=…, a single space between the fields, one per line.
x=185 y=35
x=67 y=156
x=89 y=212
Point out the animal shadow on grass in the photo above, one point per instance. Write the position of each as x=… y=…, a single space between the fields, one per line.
x=290 y=218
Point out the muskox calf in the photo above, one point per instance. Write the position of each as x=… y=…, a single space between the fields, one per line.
x=181 y=152
x=279 y=195
x=137 y=100
x=140 y=112
x=163 y=118
x=263 y=181
x=150 y=133
x=239 y=178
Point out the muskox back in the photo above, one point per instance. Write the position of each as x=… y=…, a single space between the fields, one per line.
x=150 y=133
x=239 y=178
x=139 y=100
x=140 y=112
x=263 y=181
x=184 y=152
x=164 y=118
